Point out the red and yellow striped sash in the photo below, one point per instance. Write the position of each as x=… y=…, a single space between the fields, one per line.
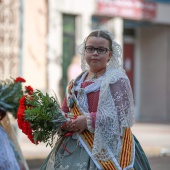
x=126 y=151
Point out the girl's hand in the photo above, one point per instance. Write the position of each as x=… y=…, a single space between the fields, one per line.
x=77 y=125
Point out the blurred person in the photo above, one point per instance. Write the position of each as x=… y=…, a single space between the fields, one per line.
x=74 y=68
x=101 y=101
x=11 y=157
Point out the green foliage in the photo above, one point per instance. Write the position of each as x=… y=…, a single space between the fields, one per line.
x=10 y=94
x=40 y=112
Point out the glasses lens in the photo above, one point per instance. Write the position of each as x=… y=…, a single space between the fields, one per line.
x=89 y=49
x=101 y=50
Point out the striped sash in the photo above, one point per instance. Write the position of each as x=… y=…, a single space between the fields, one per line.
x=127 y=151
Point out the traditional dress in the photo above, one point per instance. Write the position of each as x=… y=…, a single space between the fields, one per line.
x=108 y=142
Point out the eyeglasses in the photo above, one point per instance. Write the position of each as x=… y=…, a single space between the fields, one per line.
x=100 y=50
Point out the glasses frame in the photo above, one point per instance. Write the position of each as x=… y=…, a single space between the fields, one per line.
x=96 y=49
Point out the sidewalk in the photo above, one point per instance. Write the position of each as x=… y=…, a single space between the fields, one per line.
x=154 y=138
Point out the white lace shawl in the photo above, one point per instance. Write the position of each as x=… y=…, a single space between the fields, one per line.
x=115 y=112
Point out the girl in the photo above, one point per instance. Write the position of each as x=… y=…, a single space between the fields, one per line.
x=101 y=102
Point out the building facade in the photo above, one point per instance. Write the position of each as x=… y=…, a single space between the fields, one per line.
x=23 y=32
x=9 y=39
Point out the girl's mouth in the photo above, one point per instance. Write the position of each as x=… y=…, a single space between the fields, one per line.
x=94 y=59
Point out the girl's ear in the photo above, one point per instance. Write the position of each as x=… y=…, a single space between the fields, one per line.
x=110 y=55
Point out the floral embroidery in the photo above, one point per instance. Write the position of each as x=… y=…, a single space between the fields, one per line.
x=63 y=168
x=83 y=166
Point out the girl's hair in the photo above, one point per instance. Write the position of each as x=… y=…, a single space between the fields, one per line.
x=100 y=33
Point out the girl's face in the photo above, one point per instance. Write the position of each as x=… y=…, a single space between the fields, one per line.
x=97 y=61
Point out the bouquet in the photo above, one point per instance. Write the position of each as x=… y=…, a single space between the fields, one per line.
x=10 y=92
x=39 y=117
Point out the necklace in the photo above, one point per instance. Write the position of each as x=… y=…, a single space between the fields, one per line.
x=95 y=75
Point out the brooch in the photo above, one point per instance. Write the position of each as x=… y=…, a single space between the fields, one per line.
x=70 y=102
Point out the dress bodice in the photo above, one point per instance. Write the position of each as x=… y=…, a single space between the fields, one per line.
x=92 y=98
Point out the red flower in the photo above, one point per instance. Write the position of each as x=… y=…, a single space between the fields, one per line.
x=29 y=89
x=19 y=79
x=22 y=124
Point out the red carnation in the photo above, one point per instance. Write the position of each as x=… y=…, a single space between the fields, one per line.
x=19 y=79
x=29 y=89
x=22 y=124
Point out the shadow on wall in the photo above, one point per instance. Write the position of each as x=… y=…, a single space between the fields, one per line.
x=74 y=68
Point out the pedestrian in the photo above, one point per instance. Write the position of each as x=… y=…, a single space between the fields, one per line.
x=101 y=101
x=11 y=157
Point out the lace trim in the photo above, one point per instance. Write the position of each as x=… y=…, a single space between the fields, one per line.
x=89 y=123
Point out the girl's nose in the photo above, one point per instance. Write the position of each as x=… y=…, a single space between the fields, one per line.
x=95 y=53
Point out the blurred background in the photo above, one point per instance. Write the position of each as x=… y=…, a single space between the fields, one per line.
x=38 y=41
